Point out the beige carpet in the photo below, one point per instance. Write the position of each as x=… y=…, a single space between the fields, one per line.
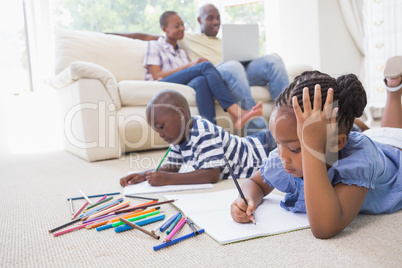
x=34 y=189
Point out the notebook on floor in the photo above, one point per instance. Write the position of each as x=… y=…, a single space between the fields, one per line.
x=240 y=42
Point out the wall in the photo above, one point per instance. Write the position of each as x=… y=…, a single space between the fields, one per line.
x=311 y=32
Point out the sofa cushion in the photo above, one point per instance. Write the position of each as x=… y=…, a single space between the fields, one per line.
x=122 y=56
x=139 y=93
x=261 y=93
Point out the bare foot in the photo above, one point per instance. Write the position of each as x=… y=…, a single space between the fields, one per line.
x=241 y=121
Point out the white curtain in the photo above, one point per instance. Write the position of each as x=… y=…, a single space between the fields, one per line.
x=40 y=39
x=352 y=12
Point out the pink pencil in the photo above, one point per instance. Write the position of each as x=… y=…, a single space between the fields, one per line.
x=71 y=229
x=79 y=211
x=175 y=229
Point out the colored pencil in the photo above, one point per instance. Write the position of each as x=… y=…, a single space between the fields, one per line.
x=91 y=196
x=156 y=229
x=236 y=183
x=100 y=202
x=86 y=197
x=142 y=222
x=107 y=211
x=168 y=150
x=174 y=223
x=169 y=222
x=100 y=208
x=191 y=223
x=70 y=230
x=64 y=225
x=175 y=229
x=79 y=211
x=135 y=226
x=71 y=207
x=141 y=197
x=177 y=240
x=145 y=205
x=119 y=223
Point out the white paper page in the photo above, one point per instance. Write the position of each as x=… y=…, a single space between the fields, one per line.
x=145 y=188
x=211 y=211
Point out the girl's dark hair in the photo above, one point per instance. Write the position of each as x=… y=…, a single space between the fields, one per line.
x=349 y=95
x=164 y=17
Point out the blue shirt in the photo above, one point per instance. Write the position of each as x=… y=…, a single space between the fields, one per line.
x=207 y=143
x=362 y=162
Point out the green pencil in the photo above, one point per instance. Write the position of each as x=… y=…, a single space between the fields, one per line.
x=163 y=159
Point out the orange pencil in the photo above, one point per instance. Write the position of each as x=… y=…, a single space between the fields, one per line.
x=133 y=214
x=107 y=211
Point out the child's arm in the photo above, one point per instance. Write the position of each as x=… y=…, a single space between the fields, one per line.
x=141 y=176
x=254 y=190
x=161 y=177
x=329 y=208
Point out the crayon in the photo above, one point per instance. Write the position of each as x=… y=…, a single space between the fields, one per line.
x=177 y=240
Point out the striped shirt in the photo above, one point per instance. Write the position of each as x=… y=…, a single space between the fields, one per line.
x=208 y=143
x=162 y=54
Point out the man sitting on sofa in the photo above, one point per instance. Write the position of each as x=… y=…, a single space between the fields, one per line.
x=266 y=70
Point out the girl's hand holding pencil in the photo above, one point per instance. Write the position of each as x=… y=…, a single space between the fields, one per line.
x=241 y=212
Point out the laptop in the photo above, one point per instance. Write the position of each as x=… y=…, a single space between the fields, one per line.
x=240 y=42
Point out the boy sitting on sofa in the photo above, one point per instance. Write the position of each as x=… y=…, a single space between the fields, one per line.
x=198 y=143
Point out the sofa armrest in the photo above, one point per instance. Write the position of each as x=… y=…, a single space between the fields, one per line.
x=80 y=69
x=295 y=70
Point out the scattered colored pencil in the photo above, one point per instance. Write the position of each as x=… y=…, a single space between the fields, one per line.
x=64 y=225
x=177 y=240
x=71 y=207
x=141 y=197
x=174 y=223
x=70 y=230
x=175 y=229
x=79 y=211
x=91 y=196
x=191 y=223
x=86 y=197
x=135 y=226
x=142 y=222
x=145 y=205
x=100 y=202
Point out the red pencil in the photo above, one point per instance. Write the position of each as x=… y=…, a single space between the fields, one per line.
x=79 y=211
x=71 y=229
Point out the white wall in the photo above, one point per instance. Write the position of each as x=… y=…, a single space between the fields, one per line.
x=311 y=32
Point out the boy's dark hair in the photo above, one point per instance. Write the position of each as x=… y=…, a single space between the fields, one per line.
x=164 y=17
x=349 y=95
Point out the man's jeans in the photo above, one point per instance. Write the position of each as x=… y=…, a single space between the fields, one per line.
x=266 y=70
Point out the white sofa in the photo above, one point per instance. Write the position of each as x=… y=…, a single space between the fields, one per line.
x=99 y=79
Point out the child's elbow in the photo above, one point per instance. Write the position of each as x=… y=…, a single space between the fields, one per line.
x=324 y=232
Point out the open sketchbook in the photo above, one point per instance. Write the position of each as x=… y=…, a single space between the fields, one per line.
x=146 y=188
x=211 y=211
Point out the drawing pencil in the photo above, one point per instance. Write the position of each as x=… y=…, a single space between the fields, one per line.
x=71 y=207
x=135 y=226
x=236 y=182
x=174 y=223
x=168 y=150
x=142 y=222
x=175 y=229
x=169 y=222
x=64 y=225
x=101 y=207
x=70 y=230
x=107 y=211
x=191 y=223
x=142 y=197
x=91 y=196
x=177 y=240
x=99 y=203
x=79 y=211
x=145 y=205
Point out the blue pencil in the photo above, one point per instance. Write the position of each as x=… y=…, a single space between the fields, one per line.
x=90 y=196
x=168 y=222
x=176 y=240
